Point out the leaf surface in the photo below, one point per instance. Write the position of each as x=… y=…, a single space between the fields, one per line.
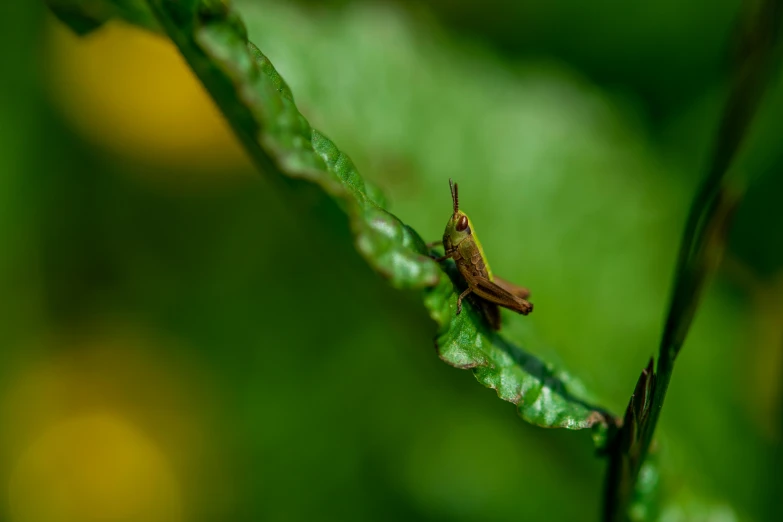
x=260 y=107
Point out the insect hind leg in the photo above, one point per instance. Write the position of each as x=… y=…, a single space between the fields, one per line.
x=461 y=297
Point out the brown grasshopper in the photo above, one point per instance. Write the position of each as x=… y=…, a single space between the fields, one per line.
x=462 y=245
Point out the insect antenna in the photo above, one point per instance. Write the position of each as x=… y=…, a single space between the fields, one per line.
x=454 y=195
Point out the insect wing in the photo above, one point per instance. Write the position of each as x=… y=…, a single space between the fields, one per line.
x=488 y=290
x=519 y=291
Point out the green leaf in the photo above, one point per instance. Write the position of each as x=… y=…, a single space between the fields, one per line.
x=84 y=16
x=260 y=108
x=79 y=16
x=543 y=396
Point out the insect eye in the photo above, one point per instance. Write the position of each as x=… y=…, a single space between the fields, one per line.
x=462 y=224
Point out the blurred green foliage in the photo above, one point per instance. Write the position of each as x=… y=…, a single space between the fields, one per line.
x=304 y=387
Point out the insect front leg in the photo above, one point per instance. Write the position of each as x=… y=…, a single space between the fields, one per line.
x=468 y=290
x=442 y=258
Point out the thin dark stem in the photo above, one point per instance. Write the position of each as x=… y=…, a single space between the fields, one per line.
x=701 y=247
x=713 y=204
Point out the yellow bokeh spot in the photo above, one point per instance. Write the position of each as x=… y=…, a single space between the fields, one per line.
x=111 y=422
x=130 y=91
x=92 y=468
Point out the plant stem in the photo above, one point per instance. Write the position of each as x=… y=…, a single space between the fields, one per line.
x=700 y=251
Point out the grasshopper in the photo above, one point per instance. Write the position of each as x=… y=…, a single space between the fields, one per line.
x=462 y=245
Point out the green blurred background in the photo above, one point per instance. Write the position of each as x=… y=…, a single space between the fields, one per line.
x=182 y=341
